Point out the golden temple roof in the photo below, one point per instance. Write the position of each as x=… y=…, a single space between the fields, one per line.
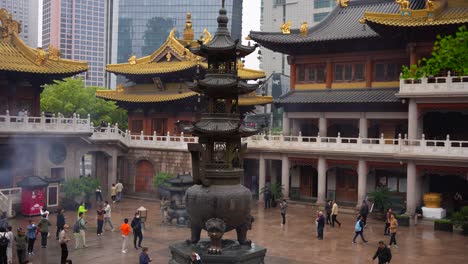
x=436 y=12
x=122 y=95
x=173 y=56
x=16 y=56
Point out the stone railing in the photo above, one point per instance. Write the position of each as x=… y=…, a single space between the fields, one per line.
x=360 y=146
x=174 y=142
x=434 y=86
x=54 y=124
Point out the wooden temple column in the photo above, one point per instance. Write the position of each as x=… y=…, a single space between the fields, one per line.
x=329 y=74
x=413 y=54
x=292 y=78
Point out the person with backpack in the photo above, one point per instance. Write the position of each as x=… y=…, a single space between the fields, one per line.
x=79 y=231
x=364 y=211
x=4 y=242
x=32 y=228
x=43 y=226
x=21 y=241
x=82 y=209
x=137 y=232
x=359 y=230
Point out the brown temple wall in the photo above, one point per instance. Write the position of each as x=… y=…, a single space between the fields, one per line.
x=11 y=95
x=148 y=128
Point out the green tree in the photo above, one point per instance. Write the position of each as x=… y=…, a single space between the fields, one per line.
x=450 y=53
x=71 y=96
x=157 y=30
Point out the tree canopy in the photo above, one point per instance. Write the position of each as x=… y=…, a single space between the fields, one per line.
x=71 y=96
x=450 y=53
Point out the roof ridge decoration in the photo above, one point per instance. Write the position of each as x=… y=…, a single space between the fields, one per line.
x=8 y=26
x=286 y=27
x=304 y=29
x=342 y=3
x=432 y=13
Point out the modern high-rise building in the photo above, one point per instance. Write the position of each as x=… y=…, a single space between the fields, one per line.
x=140 y=27
x=274 y=13
x=27 y=13
x=78 y=28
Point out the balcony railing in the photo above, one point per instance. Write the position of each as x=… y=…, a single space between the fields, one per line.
x=346 y=146
x=434 y=86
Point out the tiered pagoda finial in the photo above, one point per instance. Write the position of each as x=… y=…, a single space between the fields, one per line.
x=188 y=30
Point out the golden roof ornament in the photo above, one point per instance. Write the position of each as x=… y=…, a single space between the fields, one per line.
x=132 y=60
x=168 y=56
x=240 y=64
x=205 y=36
x=430 y=5
x=342 y=3
x=188 y=30
x=304 y=29
x=54 y=54
x=8 y=26
x=40 y=56
x=404 y=4
x=286 y=27
x=120 y=88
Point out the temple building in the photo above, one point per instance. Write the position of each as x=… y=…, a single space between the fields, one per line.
x=156 y=95
x=347 y=107
x=23 y=72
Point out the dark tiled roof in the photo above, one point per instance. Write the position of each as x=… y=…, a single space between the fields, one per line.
x=341 y=23
x=32 y=182
x=330 y=96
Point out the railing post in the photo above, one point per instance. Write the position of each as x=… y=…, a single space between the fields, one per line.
x=142 y=136
x=448 y=80
x=168 y=137
x=116 y=128
x=182 y=136
x=7 y=118
x=43 y=121
x=59 y=119
x=154 y=136
x=74 y=118
x=447 y=142
x=359 y=139
x=281 y=137
x=299 y=138
x=338 y=139
x=319 y=139
x=382 y=139
x=399 y=142
x=423 y=141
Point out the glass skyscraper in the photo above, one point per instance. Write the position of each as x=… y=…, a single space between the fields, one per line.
x=140 y=27
x=78 y=29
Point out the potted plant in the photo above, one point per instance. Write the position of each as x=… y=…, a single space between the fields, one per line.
x=443 y=225
x=78 y=190
x=277 y=193
x=403 y=220
x=160 y=182
x=382 y=201
x=460 y=219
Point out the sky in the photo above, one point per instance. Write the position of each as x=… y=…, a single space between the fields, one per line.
x=250 y=21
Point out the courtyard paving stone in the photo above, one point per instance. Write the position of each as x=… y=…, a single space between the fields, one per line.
x=294 y=243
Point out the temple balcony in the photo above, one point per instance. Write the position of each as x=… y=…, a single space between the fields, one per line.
x=399 y=149
x=445 y=86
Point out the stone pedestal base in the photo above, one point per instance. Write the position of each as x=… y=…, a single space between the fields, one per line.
x=232 y=253
x=433 y=213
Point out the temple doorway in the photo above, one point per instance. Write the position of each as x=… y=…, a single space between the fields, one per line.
x=346 y=184
x=144 y=176
x=308 y=182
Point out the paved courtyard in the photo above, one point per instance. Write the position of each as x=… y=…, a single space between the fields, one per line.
x=295 y=243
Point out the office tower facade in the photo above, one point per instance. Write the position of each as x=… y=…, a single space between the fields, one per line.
x=140 y=27
x=78 y=29
x=276 y=12
x=27 y=13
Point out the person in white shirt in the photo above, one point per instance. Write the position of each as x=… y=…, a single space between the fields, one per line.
x=119 y=187
x=107 y=216
x=45 y=213
x=10 y=236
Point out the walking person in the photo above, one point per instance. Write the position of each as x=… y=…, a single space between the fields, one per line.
x=283 y=208
x=359 y=230
x=107 y=216
x=100 y=220
x=4 y=220
x=99 y=194
x=10 y=236
x=45 y=212
x=144 y=257
x=383 y=253
x=82 y=209
x=387 y=222
x=60 y=222
x=334 y=214
x=31 y=228
x=125 y=231
x=267 y=197
x=63 y=240
x=79 y=232
x=137 y=232
x=4 y=242
x=393 y=230
x=364 y=211
x=320 y=225
x=21 y=241
x=43 y=227
x=113 y=193
x=328 y=210
x=119 y=188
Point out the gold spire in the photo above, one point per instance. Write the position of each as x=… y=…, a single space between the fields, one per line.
x=188 y=31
